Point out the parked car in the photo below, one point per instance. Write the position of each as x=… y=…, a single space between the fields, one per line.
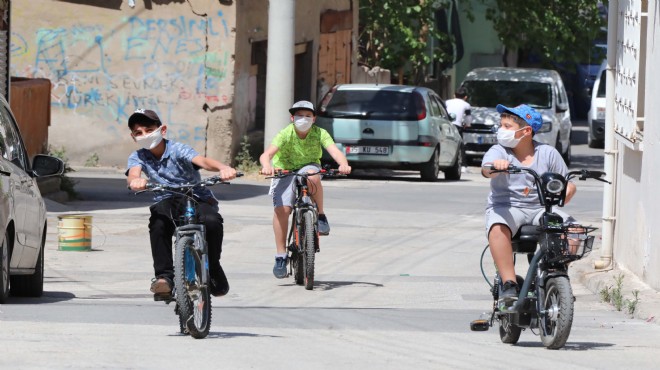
x=596 y=116
x=542 y=89
x=392 y=126
x=22 y=211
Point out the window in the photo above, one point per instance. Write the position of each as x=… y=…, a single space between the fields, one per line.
x=509 y=93
x=389 y=105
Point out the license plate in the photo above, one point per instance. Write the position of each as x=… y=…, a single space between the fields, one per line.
x=378 y=150
x=486 y=139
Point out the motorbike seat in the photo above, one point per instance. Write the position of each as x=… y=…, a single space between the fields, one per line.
x=526 y=239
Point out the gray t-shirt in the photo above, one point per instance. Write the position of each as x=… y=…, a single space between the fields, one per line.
x=518 y=190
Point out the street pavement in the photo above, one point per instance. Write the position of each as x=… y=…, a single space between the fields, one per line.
x=398 y=282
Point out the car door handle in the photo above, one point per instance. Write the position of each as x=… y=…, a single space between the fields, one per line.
x=368 y=131
x=5 y=173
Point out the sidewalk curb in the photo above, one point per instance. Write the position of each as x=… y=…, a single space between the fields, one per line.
x=648 y=306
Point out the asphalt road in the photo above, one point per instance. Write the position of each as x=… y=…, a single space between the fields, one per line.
x=398 y=282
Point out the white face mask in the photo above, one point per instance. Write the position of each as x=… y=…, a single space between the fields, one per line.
x=150 y=141
x=507 y=138
x=303 y=124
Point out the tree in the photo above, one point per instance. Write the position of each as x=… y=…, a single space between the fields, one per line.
x=396 y=34
x=559 y=31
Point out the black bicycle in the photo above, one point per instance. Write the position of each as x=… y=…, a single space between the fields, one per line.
x=191 y=267
x=303 y=240
x=545 y=300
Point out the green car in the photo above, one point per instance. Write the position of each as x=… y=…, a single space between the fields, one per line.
x=392 y=126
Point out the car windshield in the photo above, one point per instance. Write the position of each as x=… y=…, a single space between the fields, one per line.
x=509 y=93
x=372 y=104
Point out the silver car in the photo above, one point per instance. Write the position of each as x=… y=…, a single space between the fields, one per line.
x=542 y=89
x=22 y=212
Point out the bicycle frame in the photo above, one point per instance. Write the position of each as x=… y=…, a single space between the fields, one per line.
x=304 y=203
x=192 y=227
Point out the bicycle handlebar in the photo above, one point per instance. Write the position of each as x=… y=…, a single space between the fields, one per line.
x=209 y=181
x=582 y=174
x=332 y=172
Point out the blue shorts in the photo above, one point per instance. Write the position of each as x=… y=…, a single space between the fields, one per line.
x=283 y=190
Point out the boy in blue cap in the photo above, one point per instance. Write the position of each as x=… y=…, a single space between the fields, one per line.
x=513 y=201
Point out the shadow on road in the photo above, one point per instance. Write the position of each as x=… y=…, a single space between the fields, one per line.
x=329 y=285
x=575 y=346
x=47 y=297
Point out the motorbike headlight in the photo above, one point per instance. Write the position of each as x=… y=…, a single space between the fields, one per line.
x=554 y=186
x=553 y=183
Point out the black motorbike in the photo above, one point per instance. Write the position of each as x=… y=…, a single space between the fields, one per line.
x=545 y=301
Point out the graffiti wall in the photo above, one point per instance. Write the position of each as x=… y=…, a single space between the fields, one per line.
x=174 y=58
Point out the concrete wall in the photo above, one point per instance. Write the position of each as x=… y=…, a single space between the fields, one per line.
x=637 y=235
x=105 y=61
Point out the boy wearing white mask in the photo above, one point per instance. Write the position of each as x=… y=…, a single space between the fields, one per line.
x=513 y=200
x=297 y=147
x=167 y=162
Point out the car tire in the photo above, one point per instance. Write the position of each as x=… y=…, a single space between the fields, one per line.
x=430 y=169
x=31 y=285
x=594 y=143
x=4 y=270
x=454 y=172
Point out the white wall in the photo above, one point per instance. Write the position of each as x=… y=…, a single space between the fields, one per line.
x=637 y=228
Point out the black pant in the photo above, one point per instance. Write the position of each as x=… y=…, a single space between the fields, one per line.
x=161 y=231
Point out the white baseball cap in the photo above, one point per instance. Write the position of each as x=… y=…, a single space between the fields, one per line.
x=300 y=105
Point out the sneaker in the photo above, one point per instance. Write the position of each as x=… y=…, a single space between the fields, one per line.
x=219 y=284
x=161 y=287
x=509 y=292
x=464 y=169
x=279 y=270
x=324 y=226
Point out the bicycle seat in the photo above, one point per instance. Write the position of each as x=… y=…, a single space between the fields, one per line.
x=526 y=239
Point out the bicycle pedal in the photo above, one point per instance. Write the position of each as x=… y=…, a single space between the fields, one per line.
x=163 y=297
x=479 y=325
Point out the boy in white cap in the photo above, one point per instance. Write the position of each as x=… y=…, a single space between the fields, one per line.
x=513 y=201
x=167 y=162
x=297 y=147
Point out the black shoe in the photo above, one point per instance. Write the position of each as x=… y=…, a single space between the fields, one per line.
x=509 y=292
x=219 y=284
x=324 y=226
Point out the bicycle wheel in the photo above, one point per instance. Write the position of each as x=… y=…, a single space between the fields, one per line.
x=192 y=296
x=298 y=269
x=509 y=333
x=309 y=250
x=558 y=319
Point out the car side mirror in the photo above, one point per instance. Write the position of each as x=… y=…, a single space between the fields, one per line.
x=561 y=109
x=452 y=117
x=45 y=165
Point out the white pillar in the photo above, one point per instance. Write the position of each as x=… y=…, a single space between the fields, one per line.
x=280 y=66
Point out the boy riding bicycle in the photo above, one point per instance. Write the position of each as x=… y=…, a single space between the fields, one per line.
x=297 y=147
x=513 y=201
x=167 y=162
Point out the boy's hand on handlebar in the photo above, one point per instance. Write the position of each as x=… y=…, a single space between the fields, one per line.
x=500 y=164
x=227 y=174
x=138 y=184
x=267 y=171
x=345 y=169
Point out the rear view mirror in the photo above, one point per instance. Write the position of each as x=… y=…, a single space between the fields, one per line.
x=452 y=117
x=45 y=165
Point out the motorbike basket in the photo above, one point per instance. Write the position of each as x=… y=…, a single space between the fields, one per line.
x=571 y=245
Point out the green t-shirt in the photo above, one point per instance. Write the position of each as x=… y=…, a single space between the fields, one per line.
x=294 y=152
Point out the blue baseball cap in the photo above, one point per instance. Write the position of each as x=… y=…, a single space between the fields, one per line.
x=527 y=113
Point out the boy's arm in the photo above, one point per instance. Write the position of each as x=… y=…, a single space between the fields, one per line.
x=265 y=158
x=135 y=180
x=340 y=158
x=571 y=189
x=226 y=173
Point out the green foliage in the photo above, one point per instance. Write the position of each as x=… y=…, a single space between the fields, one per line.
x=396 y=33
x=92 y=161
x=67 y=184
x=617 y=294
x=244 y=161
x=555 y=30
x=606 y=294
x=631 y=304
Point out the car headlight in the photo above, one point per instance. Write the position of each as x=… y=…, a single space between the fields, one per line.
x=546 y=127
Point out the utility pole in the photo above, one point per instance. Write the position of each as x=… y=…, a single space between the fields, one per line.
x=280 y=66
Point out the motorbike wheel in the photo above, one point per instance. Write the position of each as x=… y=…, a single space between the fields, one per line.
x=558 y=319
x=509 y=333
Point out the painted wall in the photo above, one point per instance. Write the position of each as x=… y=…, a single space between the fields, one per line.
x=105 y=62
x=637 y=236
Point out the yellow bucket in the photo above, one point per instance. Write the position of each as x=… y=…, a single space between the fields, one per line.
x=75 y=233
